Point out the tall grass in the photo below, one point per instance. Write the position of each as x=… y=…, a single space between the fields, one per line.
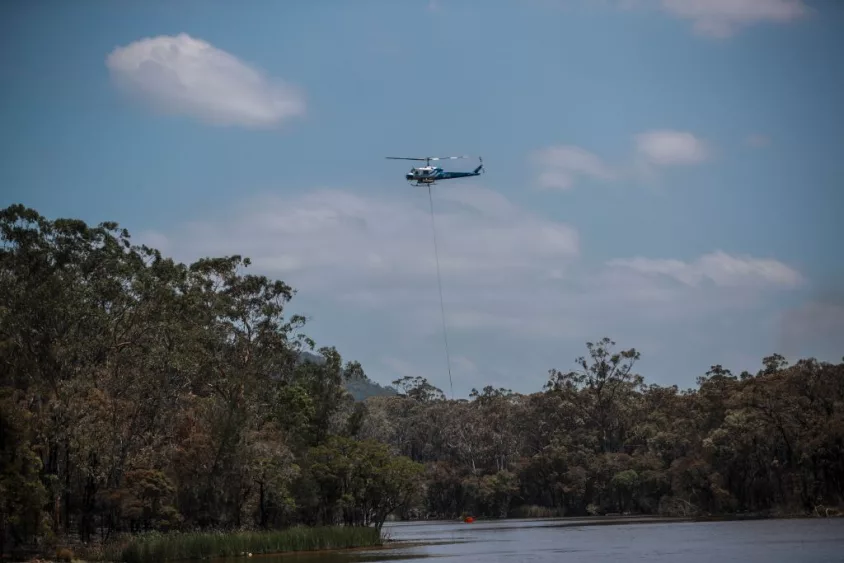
x=153 y=548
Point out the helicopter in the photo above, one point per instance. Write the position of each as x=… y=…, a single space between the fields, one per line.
x=428 y=175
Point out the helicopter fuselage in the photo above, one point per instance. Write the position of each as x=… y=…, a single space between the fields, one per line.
x=430 y=174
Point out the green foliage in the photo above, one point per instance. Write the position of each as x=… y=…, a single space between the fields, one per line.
x=145 y=500
x=359 y=482
x=419 y=389
x=140 y=394
x=22 y=494
x=598 y=441
x=156 y=547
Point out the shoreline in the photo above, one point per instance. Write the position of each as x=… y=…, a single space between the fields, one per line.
x=388 y=543
x=631 y=518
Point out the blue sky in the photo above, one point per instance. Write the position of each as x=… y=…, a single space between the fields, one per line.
x=663 y=172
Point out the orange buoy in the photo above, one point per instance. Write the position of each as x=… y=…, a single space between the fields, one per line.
x=469 y=520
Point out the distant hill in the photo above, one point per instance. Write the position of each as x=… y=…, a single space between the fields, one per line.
x=364 y=388
x=311 y=357
x=360 y=389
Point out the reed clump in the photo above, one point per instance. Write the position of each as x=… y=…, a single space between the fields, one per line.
x=155 y=547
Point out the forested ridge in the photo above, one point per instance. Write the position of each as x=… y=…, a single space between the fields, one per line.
x=139 y=393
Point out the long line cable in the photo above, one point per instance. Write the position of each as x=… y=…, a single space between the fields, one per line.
x=440 y=286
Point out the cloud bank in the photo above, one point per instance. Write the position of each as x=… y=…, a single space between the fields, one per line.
x=720 y=268
x=724 y=18
x=560 y=167
x=183 y=75
x=715 y=19
x=512 y=279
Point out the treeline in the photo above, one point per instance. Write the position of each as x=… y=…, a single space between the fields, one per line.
x=139 y=393
x=598 y=440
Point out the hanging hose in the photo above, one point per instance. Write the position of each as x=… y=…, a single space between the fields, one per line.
x=440 y=286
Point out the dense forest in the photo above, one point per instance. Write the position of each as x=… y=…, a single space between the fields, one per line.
x=139 y=393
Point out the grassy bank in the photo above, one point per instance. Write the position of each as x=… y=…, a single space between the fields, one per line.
x=153 y=548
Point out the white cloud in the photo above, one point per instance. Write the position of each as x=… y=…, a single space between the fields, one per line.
x=503 y=267
x=723 y=18
x=712 y=18
x=562 y=165
x=720 y=268
x=378 y=243
x=666 y=147
x=183 y=75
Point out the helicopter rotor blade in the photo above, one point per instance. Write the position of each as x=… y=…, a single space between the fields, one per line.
x=425 y=157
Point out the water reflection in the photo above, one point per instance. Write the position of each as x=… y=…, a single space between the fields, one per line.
x=599 y=540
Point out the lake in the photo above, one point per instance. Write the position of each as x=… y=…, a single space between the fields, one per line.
x=596 y=540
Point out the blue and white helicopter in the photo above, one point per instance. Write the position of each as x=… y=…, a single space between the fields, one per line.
x=428 y=175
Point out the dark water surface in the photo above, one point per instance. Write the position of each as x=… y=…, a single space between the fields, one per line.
x=569 y=540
